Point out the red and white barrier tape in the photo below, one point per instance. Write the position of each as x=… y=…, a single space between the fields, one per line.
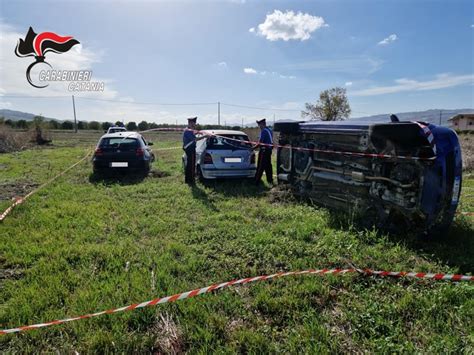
x=207 y=289
x=274 y=145
x=170 y=148
x=20 y=200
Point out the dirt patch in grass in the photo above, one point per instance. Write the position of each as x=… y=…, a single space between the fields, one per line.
x=158 y=174
x=10 y=274
x=169 y=337
x=11 y=190
x=281 y=194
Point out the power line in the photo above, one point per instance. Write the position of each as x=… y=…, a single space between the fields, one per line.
x=261 y=108
x=151 y=103
x=168 y=104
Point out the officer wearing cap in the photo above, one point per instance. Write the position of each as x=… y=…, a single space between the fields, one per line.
x=265 y=145
x=189 y=147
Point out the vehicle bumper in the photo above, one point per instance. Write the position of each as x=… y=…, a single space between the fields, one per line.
x=227 y=173
x=104 y=164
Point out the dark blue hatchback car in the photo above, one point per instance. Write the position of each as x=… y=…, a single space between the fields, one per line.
x=123 y=151
x=400 y=176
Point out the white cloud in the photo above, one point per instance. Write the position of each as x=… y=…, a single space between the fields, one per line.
x=441 y=81
x=267 y=73
x=222 y=65
x=286 y=76
x=289 y=25
x=250 y=71
x=352 y=64
x=392 y=38
x=348 y=83
x=252 y=29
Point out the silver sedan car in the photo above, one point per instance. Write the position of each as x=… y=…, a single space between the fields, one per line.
x=218 y=157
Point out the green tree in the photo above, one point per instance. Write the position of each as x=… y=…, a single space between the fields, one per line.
x=67 y=125
x=332 y=105
x=143 y=126
x=82 y=125
x=38 y=121
x=106 y=125
x=53 y=124
x=119 y=124
x=22 y=124
x=131 y=126
x=94 y=125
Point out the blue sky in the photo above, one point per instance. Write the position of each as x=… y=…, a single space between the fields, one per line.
x=392 y=56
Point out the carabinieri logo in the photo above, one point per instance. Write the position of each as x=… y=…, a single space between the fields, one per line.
x=38 y=45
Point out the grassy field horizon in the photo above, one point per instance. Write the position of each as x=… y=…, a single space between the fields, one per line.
x=85 y=244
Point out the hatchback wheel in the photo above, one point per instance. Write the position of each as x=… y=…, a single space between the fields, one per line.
x=200 y=175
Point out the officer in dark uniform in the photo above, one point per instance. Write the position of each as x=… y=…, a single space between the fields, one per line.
x=265 y=153
x=189 y=147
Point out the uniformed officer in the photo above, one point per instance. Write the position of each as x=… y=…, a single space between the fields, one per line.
x=265 y=153
x=189 y=147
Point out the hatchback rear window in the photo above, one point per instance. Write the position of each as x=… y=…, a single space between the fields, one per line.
x=123 y=143
x=235 y=142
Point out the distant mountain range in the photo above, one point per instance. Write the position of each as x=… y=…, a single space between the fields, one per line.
x=432 y=116
x=18 y=115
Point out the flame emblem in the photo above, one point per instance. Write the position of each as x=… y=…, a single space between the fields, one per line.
x=37 y=45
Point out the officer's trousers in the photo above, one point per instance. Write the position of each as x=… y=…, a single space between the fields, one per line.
x=264 y=164
x=190 y=167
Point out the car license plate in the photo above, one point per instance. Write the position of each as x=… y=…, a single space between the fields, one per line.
x=457 y=185
x=233 y=160
x=119 y=165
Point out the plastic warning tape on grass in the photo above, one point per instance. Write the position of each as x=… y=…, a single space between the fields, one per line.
x=170 y=148
x=207 y=289
x=303 y=149
x=20 y=200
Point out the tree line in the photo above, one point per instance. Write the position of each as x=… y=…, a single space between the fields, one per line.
x=81 y=125
x=96 y=126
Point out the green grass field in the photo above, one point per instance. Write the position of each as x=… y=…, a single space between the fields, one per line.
x=83 y=245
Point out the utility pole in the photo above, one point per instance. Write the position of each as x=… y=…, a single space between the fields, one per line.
x=74 y=109
x=242 y=122
x=219 y=113
x=440 y=117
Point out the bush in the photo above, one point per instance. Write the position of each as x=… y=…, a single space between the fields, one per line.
x=10 y=140
x=67 y=125
x=94 y=125
x=467 y=149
